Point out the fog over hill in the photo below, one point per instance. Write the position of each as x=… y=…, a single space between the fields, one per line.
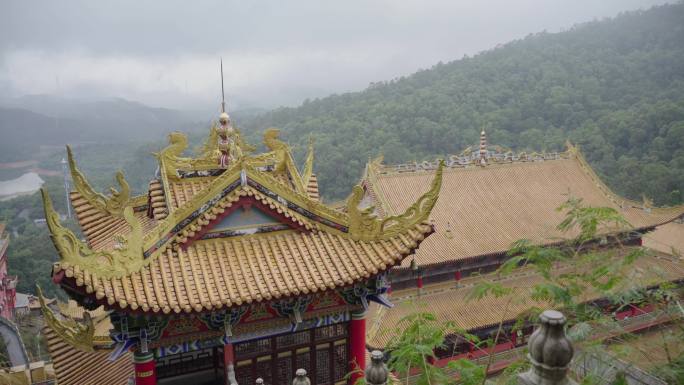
x=274 y=52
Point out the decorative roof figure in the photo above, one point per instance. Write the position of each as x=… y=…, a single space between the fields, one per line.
x=483 y=148
x=229 y=151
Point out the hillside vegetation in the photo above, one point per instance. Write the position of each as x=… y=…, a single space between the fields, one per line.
x=615 y=87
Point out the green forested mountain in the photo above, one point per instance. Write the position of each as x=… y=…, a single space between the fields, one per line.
x=615 y=87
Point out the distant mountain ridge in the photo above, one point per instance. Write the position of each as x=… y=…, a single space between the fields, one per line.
x=29 y=122
x=615 y=87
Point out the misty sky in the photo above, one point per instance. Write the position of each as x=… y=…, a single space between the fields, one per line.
x=166 y=53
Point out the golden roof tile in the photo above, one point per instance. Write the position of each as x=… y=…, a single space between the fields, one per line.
x=100 y=228
x=216 y=273
x=668 y=238
x=312 y=188
x=76 y=367
x=483 y=210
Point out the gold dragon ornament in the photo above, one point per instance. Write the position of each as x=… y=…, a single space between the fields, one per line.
x=279 y=148
x=365 y=225
x=125 y=258
x=114 y=205
x=308 y=163
x=80 y=336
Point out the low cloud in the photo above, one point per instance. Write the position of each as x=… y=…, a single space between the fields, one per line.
x=275 y=52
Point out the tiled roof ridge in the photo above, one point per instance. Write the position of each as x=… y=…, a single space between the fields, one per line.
x=617 y=199
x=369 y=182
x=312 y=187
x=467 y=159
x=572 y=153
x=158 y=205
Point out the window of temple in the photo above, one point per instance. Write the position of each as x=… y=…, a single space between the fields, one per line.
x=322 y=352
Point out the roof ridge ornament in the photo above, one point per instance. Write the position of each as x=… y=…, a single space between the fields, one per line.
x=80 y=336
x=125 y=258
x=483 y=148
x=278 y=147
x=364 y=224
x=308 y=163
x=115 y=204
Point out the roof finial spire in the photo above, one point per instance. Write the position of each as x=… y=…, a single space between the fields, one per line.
x=223 y=94
x=483 y=147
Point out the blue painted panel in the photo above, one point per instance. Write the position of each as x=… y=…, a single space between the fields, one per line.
x=243 y=218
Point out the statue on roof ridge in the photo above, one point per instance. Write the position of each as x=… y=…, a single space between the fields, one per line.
x=224 y=143
x=228 y=149
x=113 y=205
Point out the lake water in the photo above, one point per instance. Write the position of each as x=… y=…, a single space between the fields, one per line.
x=25 y=184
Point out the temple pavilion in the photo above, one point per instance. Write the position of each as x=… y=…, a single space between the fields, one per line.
x=241 y=270
x=229 y=268
x=490 y=198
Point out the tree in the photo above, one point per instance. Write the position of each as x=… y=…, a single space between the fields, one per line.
x=570 y=273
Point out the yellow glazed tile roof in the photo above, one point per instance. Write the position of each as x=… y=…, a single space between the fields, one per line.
x=211 y=274
x=157 y=200
x=182 y=191
x=72 y=309
x=312 y=188
x=483 y=210
x=98 y=227
x=449 y=303
x=166 y=258
x=75 y=367
x=668 y=238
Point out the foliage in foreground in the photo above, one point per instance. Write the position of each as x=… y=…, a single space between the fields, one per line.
x=570 y=273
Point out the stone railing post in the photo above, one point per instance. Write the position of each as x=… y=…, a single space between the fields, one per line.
x=550 y=353
x=301 y=378
x=377 y=373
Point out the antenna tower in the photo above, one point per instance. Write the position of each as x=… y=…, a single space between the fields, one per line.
x=223 y=94
x=66 y=186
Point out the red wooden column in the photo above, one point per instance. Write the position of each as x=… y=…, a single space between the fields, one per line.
x=145 y=368
x=357 y=344
x=228 y=359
